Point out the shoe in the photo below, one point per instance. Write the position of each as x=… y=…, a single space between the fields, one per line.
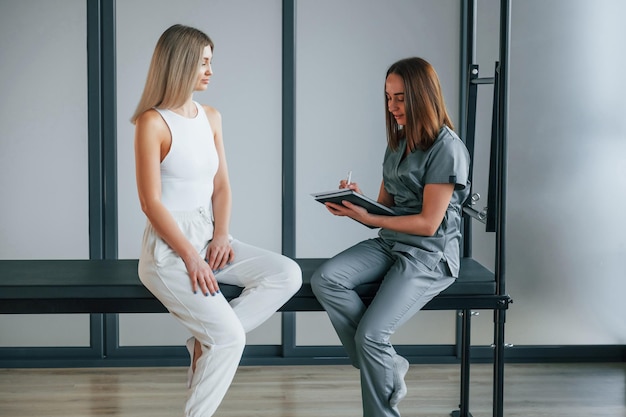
x=191 y=342
x=401 y=367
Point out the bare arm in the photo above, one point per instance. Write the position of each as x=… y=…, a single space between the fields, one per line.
x=436 y=200
x=152 y=140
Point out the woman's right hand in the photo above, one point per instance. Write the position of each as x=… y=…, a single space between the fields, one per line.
x=352 y=186
x=201 y=276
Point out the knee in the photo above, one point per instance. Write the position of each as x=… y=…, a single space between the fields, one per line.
x=367 y=339
x=283 y=272
x=238 y=337
x=238 y=341
x=293 y=280
x=323 y=281
x=231 y=336
x=317 y=282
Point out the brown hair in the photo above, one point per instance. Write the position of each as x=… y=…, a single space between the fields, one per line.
x=172 y=74
x=425 y=108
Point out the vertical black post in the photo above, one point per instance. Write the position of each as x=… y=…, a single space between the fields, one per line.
x=500 y=270
x=109 y=128
x=467 y=117
x=94 y=107
x=505 y=18
x=465 y=364
x=289 y=128
x=466 y=130
x=493 y=195
x=289 y=158
x=468 y=29
x=97 y=334
x=102 y=150
x=109 y=155
x=95 y=146
x=102 y=129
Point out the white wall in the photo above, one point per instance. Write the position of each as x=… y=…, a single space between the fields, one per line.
x=43 y=151
x=245 y=88
x=343 y=52
x=43 y=135
x=567 y=170
x=567 y=140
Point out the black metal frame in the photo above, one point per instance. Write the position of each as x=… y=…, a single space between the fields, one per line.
x=104 y=342
x=102 y=152
x=104 y=157
x=103 y=176
x=495 y=217
x=102 y=147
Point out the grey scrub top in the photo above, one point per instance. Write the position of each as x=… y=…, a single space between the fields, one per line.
x=446 y=161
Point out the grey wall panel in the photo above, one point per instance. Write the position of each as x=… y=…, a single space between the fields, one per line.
x=245 y=88
x=43 y=330
x=567 y=144
x=427 y=327
x=567 y=139
x=343 y=51
x=568 y=147
x=43 y=152
x=43 y=141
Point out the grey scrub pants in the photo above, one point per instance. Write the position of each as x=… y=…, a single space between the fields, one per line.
x=406 y=286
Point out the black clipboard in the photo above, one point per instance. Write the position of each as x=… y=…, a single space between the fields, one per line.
x=344 y=194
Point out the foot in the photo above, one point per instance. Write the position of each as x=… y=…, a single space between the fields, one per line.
x=401 y=367
x=191 y=342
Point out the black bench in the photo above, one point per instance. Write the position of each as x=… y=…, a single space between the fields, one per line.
x=112 y=286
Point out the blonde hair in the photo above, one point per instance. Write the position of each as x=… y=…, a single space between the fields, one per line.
x=425 y=108
x=172 y=73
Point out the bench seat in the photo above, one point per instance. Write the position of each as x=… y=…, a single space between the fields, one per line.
x=112 y=286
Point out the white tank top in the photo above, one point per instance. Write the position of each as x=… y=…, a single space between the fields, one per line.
x=187 y=171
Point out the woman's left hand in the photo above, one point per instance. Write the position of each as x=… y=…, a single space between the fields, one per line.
x=219 y=253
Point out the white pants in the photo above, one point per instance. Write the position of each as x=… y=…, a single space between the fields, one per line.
x=269 y=280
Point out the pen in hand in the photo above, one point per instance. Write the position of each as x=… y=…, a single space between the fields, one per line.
x=348 y=184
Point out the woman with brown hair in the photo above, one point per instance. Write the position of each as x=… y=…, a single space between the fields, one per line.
x=416 y=254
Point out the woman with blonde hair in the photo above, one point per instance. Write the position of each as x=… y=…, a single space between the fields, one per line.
x=416 y=254
x=184 y=191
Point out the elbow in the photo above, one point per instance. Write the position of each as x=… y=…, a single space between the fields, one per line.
x=222 y=193
x=148 y=206
x=145 y=206
x=431 y=230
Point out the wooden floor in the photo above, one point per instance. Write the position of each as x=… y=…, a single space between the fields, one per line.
x=555 y=390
